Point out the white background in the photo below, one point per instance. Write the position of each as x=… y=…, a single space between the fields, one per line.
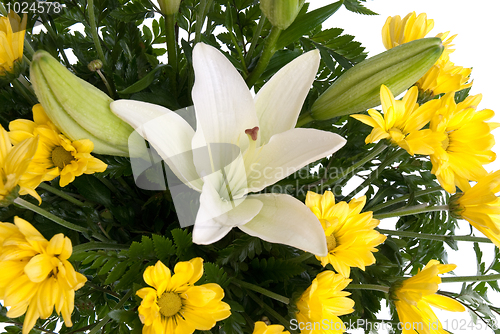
x=477 y=44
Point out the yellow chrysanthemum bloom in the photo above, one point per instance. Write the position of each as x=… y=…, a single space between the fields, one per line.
x=36 y=275
x=14 y=161
x=396 y=32
x=402 y=122
x=480 y=206
x=350 y=235
x=56 y=154
x=322 y=303
x=262 y=328
x=467 y=144
x=175 y=305
x=414 y=297
x=412 y=27
x=444 y=77
x=12 y=31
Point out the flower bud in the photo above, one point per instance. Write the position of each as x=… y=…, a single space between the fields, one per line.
x=169 y=7
x=359 y=87
x=281 y=13
x=95 y=65
x=77 y=108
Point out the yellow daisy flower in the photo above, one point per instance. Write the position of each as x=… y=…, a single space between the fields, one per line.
x=262 y=328
x=396 y=32
x=444 y=77
x=14 y=161
x=414 y=297
x=175 y=305
x=350 y=235
x=402 y=122
x=480 y=206
x=467 y=144
x=56 y=154
x=322 y=303
x=12 y=31
x=36 y=275
x=412 y=27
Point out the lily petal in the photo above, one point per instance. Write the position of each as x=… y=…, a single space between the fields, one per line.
x=166 y=131
x=286 y=220
x=223 y=104
x=280 y=100
x=289 y=151
x=216 y=217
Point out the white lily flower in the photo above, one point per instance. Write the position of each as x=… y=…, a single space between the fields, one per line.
x=249 y=143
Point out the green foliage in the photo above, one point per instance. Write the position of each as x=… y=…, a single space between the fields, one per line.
x=357 y=6
x=143 y=224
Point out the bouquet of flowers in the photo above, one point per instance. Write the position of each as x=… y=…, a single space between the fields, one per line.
x=217 y=166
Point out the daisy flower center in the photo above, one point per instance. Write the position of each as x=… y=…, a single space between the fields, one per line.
x=170 y=303
x=331 y=242
x=445 y=143
x=61 y=157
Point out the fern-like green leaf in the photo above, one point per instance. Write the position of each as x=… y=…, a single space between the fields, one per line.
x=357 y=7
x=164 y=248
x=275 y=269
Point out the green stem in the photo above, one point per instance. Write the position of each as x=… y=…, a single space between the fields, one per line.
x=236 y=46
x=302 y=257
x=24 y=91
x=405 y=197
x=434 y=236
x=105 y=320
x=265 y=57
x=27 y=205
x=281 y=320
x=200 y=19
x=304 y=119
x=3 y=10
x=171 y=45
x=412 y=210
x=480 y=278
x=97 y=245
x=255 y=38
x=106 y=83
x=375 y=287
x=260 y=290
x=28 y=47
x=372 y=155
x=94 y=30
x=374 y=174
x=61 y=194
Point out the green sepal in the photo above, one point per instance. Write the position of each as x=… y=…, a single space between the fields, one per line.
x=9 y=199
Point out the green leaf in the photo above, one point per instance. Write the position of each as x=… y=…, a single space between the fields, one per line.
x=214 y=274
x=132 y=11
x=117 y=166
x=164 y=248
x=108 y=266
x=356 y=7
x=92 y=189
x=275 y=269
x=182 y=240
x=122 y=316
x=306 y=23
x=133 y=273
x=143 y=83
x=116 y=273
x=242 y=248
